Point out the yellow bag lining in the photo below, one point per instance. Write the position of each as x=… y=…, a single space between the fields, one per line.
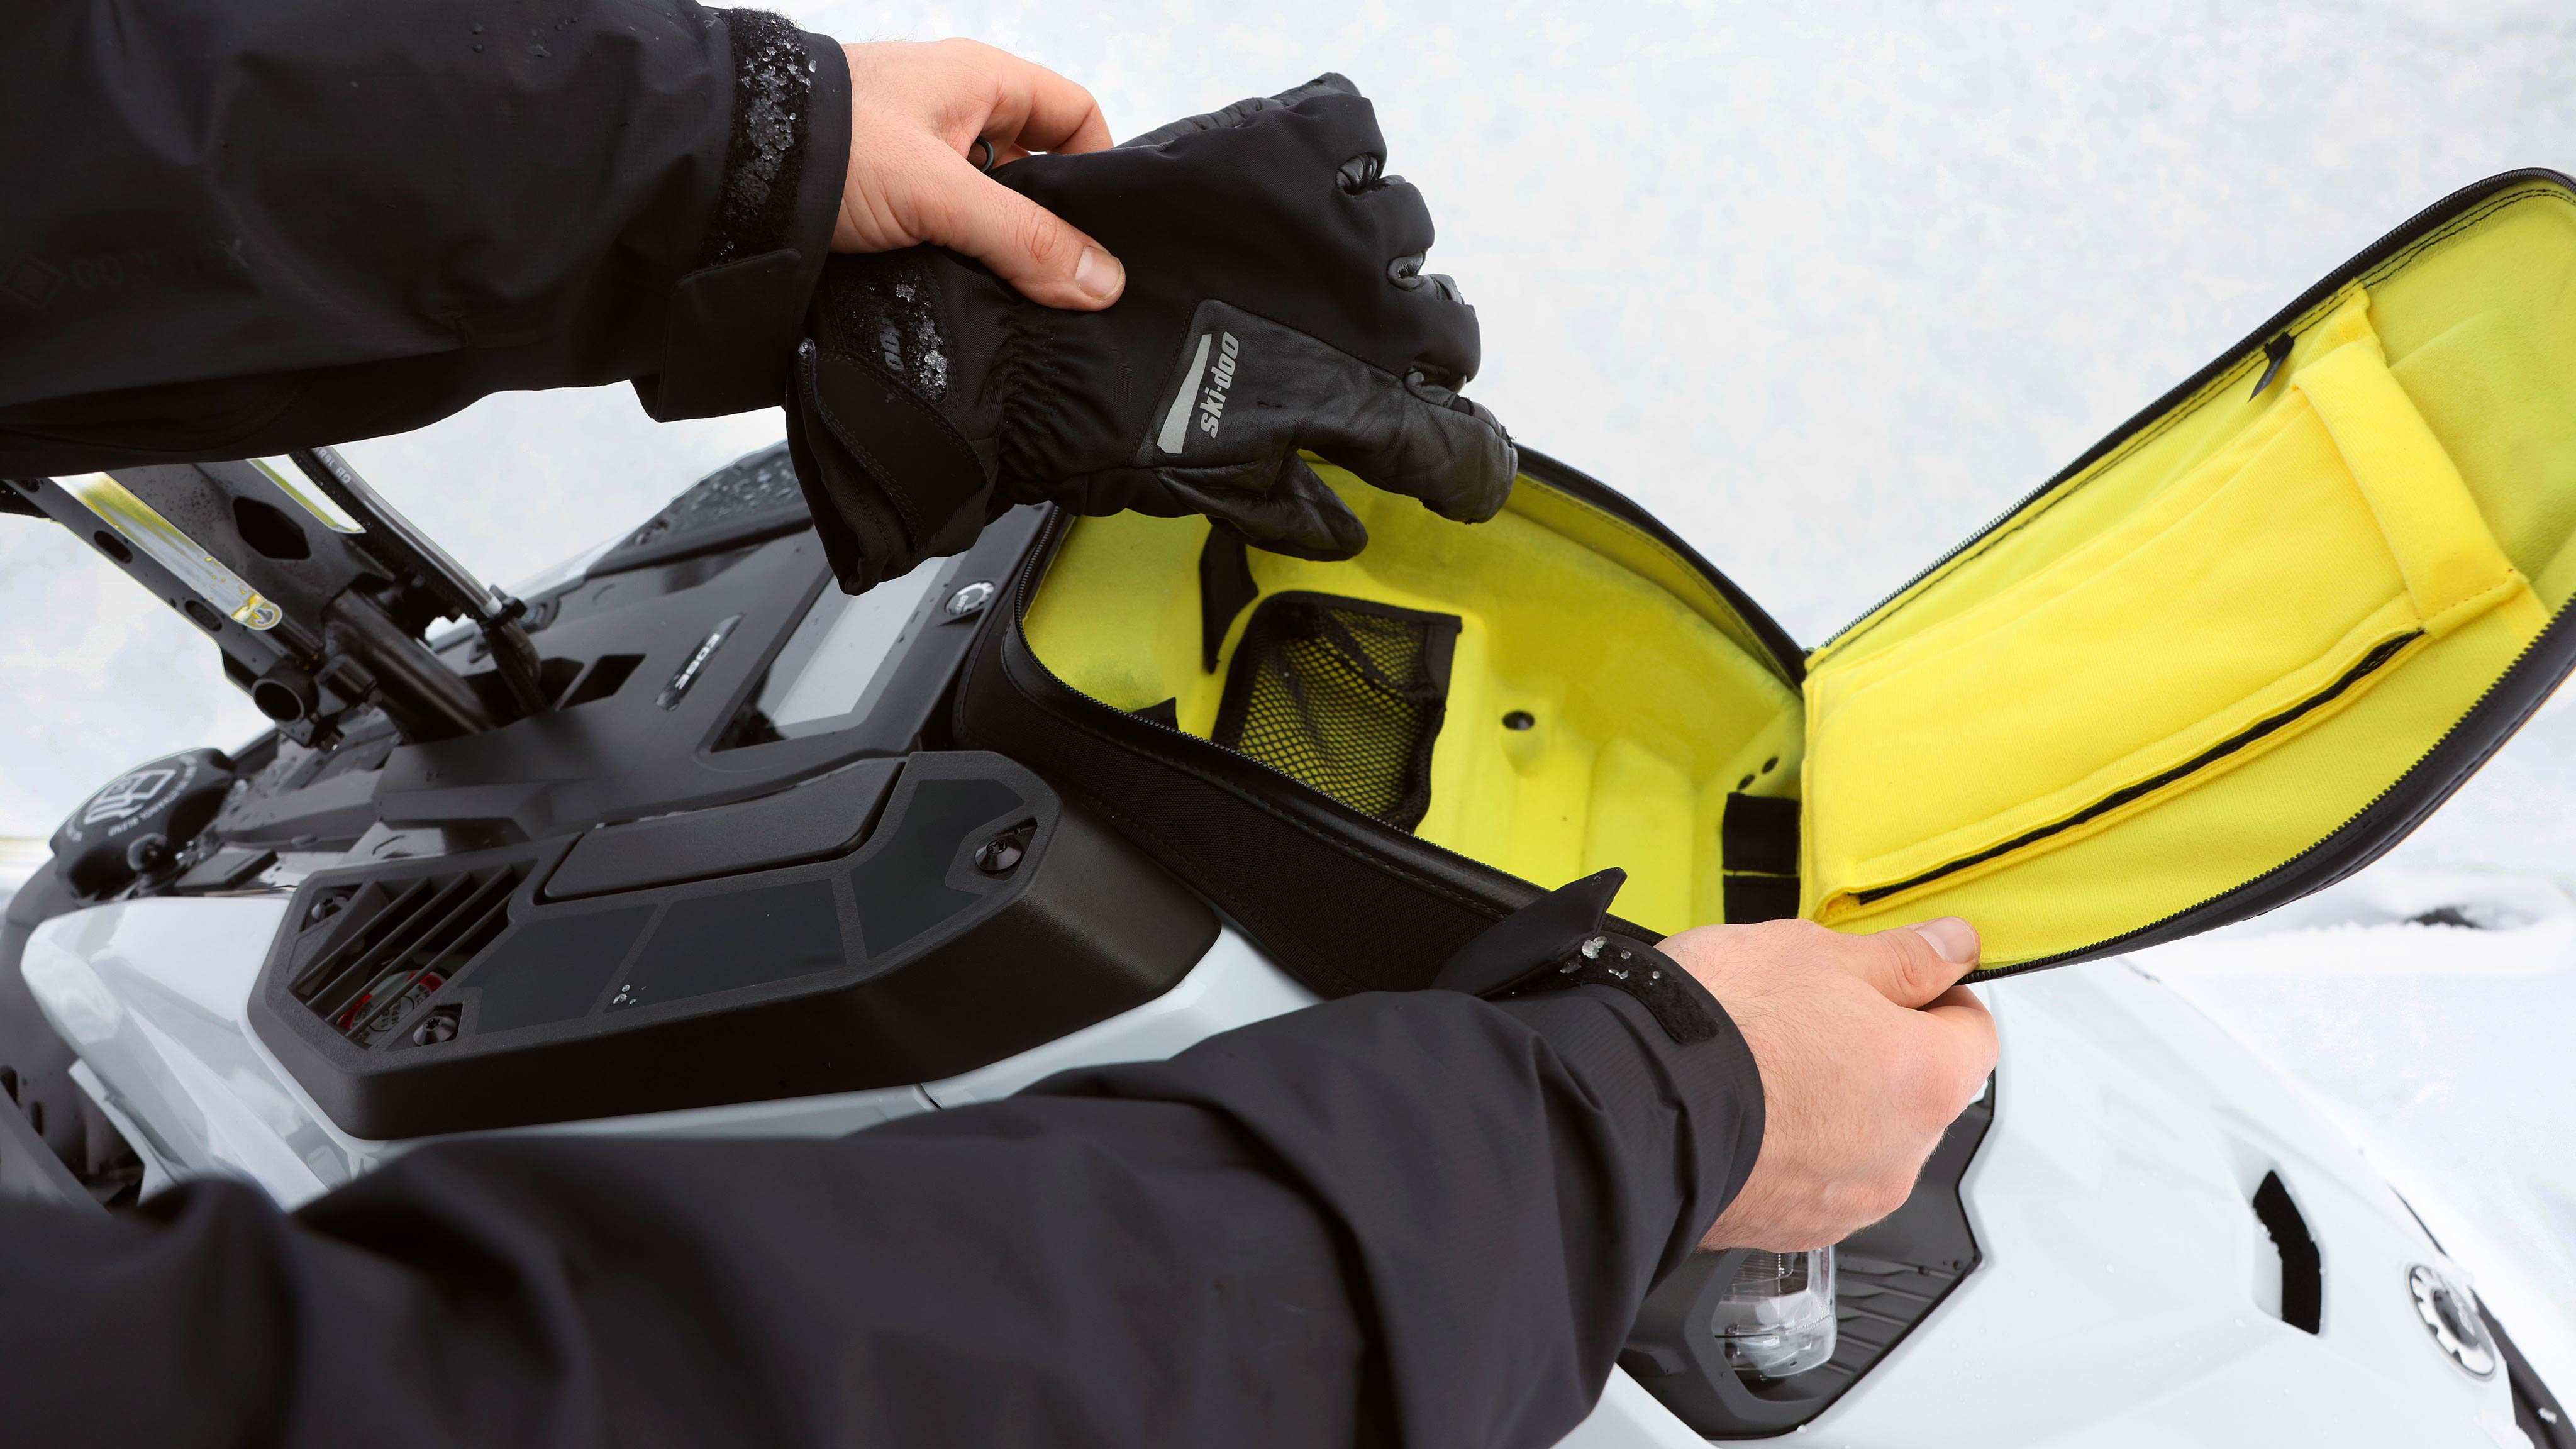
x=2245 y=601
x=2435 y=385
x=1649 y=699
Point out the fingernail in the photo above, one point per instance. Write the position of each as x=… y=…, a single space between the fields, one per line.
x=1954 y=939
x=1098 y=274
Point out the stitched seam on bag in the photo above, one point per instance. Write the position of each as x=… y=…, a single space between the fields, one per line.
x=2475 y=604
x=2173 y=417
x=2456 y=225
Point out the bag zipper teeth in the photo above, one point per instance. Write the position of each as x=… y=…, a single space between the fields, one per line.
x=2181 y=392
x=2109 y=945
x=2370 y=663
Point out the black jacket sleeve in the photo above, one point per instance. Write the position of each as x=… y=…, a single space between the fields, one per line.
x=240 y=226
x=1422 y=1219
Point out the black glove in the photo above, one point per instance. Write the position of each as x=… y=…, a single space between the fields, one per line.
x=1275 y=301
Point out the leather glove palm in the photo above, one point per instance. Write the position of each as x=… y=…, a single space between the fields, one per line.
x=1275 y=301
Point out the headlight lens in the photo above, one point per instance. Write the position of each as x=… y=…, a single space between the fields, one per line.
x=1777 y=1317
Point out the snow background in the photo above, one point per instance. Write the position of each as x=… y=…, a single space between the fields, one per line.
x=1826 y=287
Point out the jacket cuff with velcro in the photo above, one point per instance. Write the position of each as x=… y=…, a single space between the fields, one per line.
x=735 y=321
x=1638 y=1028
x=1698 y=1103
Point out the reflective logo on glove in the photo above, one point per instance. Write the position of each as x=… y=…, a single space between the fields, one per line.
x=1212 y=401
x=1206 y=390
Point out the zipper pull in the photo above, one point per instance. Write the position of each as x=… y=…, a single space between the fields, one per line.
x=2278 y=350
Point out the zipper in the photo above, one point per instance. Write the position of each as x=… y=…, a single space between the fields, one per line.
x=2368 y=665
x=2396 y=239
x=2327 y=853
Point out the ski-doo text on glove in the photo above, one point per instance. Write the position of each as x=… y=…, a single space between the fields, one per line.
x=1275 y=302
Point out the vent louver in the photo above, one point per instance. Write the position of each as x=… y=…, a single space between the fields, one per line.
x=398 y=942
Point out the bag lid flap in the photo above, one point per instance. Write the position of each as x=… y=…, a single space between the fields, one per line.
x=2245 y=644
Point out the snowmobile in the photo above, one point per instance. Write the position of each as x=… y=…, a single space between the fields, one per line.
x=682 y=839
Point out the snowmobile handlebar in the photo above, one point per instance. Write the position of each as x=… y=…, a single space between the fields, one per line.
x=315 y=615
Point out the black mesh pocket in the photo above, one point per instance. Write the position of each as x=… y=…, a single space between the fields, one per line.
x=1344 y=695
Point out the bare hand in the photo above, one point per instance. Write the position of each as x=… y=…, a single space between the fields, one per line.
x=1868 y=1048
x=916 y=111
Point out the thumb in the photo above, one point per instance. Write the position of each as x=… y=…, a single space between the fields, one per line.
x=1913 y=965
x=1298 y=514
x=1024 y=243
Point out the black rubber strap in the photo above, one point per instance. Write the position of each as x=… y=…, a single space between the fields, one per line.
x=1630 y=965
x=1750 y=898
x=1562 y=940
x=1760 y=833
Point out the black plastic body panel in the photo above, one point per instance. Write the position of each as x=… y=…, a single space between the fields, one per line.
x=30 y=1170
x=38 y=1082
x=2536 y=1410
x=808 y=821
x=227 y=869
x=1890 y=1276
x=900 y=962
x=625 y=756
